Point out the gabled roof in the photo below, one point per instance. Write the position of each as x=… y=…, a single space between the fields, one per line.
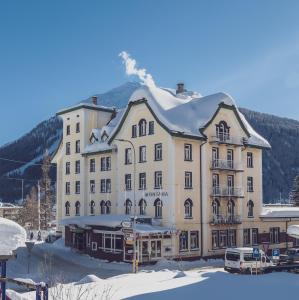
x=87 y=106
x=187 y=114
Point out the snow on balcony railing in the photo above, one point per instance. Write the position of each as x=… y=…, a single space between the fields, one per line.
x=225 y=164
x=226 y=219
x=227 y=139
x=225 y=191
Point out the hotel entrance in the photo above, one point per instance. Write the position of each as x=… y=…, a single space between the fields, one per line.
x=149 y=249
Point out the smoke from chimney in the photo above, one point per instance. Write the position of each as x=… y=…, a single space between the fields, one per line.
x=94 y=100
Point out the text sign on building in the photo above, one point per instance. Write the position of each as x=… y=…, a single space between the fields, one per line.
x=156 y=194
x=256 y=253
x=275 y=253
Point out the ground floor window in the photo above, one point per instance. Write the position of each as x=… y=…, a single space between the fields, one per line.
x=156 y=248
x=274 y=235
x=110 y=242
x=224 y=238
x=296 y=242
x=194 y=240
x=184 y=241
x=255 y=236
x=246 y=237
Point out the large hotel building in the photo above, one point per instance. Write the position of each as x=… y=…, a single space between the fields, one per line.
x=189 y=168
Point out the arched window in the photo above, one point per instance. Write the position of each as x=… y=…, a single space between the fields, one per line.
x=142 y=207
x=158 y=208
x=108 y=207
x=222 y=131
x=128 y=207
x=142 y=127
x=92 y=205
x=188 y=208
x=67 y=208
x=77 y=208
x=250 y=206
x=231 y=208
x=103 y=207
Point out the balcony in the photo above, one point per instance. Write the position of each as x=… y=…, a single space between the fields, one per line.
x=225 y=219
x=223 y=164
x=226 y=138
x=227 y=191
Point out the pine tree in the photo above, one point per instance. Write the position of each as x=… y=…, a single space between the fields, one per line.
x=294 y=194
x=46 y=193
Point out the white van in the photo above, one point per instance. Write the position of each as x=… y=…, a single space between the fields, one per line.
x=241 y=260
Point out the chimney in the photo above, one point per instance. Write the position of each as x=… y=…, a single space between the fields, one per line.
x=94 y=100
x=180 y=88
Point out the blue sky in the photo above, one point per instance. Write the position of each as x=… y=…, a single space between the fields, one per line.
x=54 y=53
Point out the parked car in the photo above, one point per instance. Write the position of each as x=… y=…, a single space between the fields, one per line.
x=240 y=260
x=291 y=256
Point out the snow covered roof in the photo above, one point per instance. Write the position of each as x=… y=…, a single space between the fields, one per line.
x=145 y=229
x=293 y=231
x=85 y=105
x=198 y=112
x=97 y=147
x=280 y=212
x=12 y=236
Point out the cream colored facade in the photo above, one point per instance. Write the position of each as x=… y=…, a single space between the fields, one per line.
x=218 y=164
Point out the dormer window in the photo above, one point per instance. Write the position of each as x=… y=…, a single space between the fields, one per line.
x=93 y=138
x=104 y=137
x=142 y=127
x=222 y=131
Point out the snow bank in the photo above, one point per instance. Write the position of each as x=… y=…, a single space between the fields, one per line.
x=89 y=279
x=12 y=236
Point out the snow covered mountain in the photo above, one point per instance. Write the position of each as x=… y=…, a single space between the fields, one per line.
x=281 y=163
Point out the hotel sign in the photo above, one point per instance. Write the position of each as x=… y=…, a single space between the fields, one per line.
x=156 y=194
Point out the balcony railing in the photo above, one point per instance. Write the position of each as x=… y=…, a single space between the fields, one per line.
x=226 y=219
x=227 y=191
x=223 y=164
x=227 y=139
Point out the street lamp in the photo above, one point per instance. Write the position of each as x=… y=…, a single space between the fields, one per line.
x=134 y=201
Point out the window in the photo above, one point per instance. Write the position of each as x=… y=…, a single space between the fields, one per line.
x=77 y=189
x=188 y=208
x=68 y=148
x=108 y=185
x=128 y=182
x=106 y=163
x=92 y=205
x=105 y=185
x=222 y=131
x=67 y=208
x=274 y=235
x=142 y=181
x=184 y=241
x=108 y=207
x=92 y=186
x=109 y=242
x=194 y=240
x=78 y=127
x=246 y=237
x=142 y=207
x=142 y=127
x=94 y=246
x=230 y=158
x=151 y=128
x=68 y=129
x=188 y=180
x=255 y=236
x=232 y=238
x=158 y=180
x=128 y=156
x=223 y=238
x=215 y=157
x=250 y=206
x=142 y=154
x=215 y=208
x=92 y=165
x=188 y=152
x=128 y=207
x=67 y=188
x=158 y=151
x=134 y=131
x=249 y=160
x=158 y=208
x=249 y=184
x=231 y=208
x=103 y=207
x=77 y=166
x=67 y=168
x=215 y=239
x=78 y=146
x=215 y=183
x=77 y=208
